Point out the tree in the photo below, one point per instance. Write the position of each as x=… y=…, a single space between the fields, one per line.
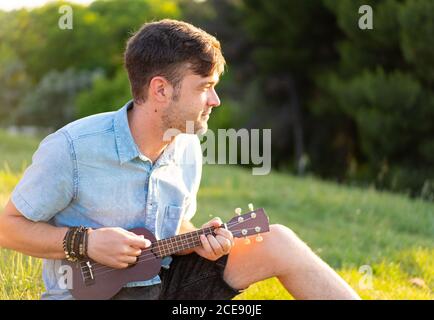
x=14 y=82
x=384 y=85
x=366 y=96
x=52 y=102
x=106 y=95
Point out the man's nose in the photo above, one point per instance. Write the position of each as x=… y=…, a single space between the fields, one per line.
x=213 y=99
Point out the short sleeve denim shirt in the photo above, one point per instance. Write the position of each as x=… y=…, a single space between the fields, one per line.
x=91 y=173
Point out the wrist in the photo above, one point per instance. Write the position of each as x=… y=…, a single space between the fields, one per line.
x=75 y=243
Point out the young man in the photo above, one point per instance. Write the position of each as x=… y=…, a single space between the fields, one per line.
x=116 y=171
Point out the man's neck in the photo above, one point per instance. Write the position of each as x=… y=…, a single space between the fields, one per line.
x=147 y=131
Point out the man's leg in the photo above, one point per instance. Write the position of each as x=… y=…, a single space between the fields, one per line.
x=283 y=255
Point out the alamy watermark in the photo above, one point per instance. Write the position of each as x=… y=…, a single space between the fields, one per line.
x=64 y=280
x=240 y=146
x=66 y=19
x=366 y=281
x=366 y=21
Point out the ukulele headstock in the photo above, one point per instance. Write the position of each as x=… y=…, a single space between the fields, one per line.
x=253 y=222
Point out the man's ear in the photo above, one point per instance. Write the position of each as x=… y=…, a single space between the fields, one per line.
x=160 y=89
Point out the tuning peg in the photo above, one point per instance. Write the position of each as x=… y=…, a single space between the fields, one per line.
x=238 y=211
x=246 y=240
x=250 y=205
x=259 y=238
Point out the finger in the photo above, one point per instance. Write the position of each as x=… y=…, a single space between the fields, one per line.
x=215 y=245
x=215 y=222
x=132 y=251
x=206 y=245
x=120 y=265
x=138 y=241
x=133 y=234
x=224 y=243
x=225 y=233
x=128 y=259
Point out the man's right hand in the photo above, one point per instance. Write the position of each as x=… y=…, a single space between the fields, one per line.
x=115 y=247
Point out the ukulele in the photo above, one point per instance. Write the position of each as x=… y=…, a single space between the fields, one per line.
x=92 y=280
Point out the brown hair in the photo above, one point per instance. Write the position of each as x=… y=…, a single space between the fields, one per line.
x=168 y=48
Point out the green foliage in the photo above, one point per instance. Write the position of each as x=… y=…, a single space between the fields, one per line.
x=383 y=107
x=363 y=98
x=360 y=49
x=346 y=226
x=96 y=40
x=417 y=32
x=105 y=95
x=407 y=276
x=14 y=81
x=51 y=103
x=280 y=27
x=34 y=50
x=16 y=151
x=20 y=276
x=366 y=95
x=382 y=86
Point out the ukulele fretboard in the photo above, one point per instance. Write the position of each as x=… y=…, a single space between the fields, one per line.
x=172 y=245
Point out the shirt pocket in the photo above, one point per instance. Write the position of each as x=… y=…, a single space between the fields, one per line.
x=171 y=221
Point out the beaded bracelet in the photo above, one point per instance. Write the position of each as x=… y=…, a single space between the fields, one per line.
x=75 y=243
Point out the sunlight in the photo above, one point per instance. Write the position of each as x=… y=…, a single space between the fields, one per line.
x=8 y=5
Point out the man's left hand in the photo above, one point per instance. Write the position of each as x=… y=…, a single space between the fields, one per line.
x=214 y=247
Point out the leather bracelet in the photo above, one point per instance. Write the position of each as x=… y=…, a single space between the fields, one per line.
x=67 y=245
x=81 y=242
x=73 y=247
x=86 y=241
x=75 y=243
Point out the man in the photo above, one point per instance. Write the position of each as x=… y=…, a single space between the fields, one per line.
x=116 y=171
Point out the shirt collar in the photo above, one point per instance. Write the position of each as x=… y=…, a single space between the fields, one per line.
x=127 y=148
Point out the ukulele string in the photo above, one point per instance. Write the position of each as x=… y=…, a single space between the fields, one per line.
x=148 y=250
x=151 y=257
x=144 y=253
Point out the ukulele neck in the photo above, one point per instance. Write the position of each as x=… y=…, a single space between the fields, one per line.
x=172 y=245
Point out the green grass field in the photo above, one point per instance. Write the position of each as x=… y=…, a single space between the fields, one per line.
x=381 y=243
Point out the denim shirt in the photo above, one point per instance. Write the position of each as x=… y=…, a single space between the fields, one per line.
x=91 y=173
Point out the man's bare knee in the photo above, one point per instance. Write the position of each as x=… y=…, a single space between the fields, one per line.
x=280 y=242
x=280 y=234
x=283 y=246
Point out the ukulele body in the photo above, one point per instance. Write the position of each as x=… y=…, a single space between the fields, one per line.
x=92 y=280
x=102 y=282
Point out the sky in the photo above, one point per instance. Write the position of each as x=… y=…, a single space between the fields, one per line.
x=17 y=4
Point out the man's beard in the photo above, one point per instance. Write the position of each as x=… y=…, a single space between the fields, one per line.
x=173 y=118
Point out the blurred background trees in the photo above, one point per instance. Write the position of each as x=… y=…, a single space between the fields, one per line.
x=352 y=105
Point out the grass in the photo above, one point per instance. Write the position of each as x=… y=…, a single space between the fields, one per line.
x=381 y=243
x=16 y=151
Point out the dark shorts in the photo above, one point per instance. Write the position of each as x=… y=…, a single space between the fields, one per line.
x=189 y=277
